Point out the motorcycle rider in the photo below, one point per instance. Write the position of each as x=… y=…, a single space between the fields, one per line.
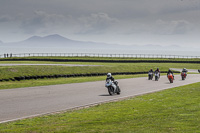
x=185 y=71
x=170 y=71
x=157 y=70
x=151 y=71
x=109 y=76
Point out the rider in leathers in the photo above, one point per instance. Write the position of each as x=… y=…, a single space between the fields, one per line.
x=151 y=71
x=185 y=71
x=157 y=70
x=109 y=76
x=170 y=71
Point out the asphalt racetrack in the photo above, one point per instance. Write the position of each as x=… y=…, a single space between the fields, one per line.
x=35 y=101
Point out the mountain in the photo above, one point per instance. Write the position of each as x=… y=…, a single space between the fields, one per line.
x=47 y=39
x=159 y=47
x=56 y=40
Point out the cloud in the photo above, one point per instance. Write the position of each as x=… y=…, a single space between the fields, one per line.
x=101 y=19
x=172 y=27
x=44 y=22
x=180 y=6
x=41 y=22
x=95 y=23
x=5 y=19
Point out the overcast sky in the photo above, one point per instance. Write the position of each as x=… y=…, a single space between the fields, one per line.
x=138 y=22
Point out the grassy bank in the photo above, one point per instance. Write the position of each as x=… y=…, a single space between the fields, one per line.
x=7 y=72
x=172 y=110
x=43 y=82
x=15 y=71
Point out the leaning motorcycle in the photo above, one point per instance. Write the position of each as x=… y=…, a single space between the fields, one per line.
x=171 y=78
x=157 y=76
x=183 y=75
x=150 y=75
x=112 y=87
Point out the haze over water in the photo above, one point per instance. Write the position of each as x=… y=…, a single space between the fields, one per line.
x=15 y=50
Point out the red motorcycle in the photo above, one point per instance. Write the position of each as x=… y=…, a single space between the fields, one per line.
x=183 y=75
x=171 y=78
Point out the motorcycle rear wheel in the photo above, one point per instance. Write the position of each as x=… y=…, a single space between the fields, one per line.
x=118 y=91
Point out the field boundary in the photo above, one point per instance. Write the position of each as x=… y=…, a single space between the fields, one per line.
x=72 y=75
x=98 y=55
x=102 y=61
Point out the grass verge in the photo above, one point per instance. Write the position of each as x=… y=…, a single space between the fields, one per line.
x=172 y=110
x=43 y=82
x=7 y=72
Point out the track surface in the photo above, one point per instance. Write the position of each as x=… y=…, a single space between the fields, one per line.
x=33 y=101
x=189 y=70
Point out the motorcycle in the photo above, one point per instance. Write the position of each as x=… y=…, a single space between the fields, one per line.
x=171 y=78
x=112 y=87
x=183 y=75
x=150 y=75
x=157 y=76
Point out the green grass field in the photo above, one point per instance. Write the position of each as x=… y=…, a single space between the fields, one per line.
x=14 y=71
x=43 y=82
x=7 y=72
x=174 y=110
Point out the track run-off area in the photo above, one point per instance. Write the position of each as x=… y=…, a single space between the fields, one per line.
x=29 y=102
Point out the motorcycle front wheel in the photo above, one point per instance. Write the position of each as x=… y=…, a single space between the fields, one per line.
x=150 y=77
x=111 y=90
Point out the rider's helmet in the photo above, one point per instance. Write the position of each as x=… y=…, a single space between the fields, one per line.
x=151 y=69
x=169 y=69
x=109 y=75
x=158 y=69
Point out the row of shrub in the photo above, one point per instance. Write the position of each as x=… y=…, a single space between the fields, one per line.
x=107 y=61
x=69 y=75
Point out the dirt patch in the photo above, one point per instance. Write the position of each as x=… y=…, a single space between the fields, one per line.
x=13 y=70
